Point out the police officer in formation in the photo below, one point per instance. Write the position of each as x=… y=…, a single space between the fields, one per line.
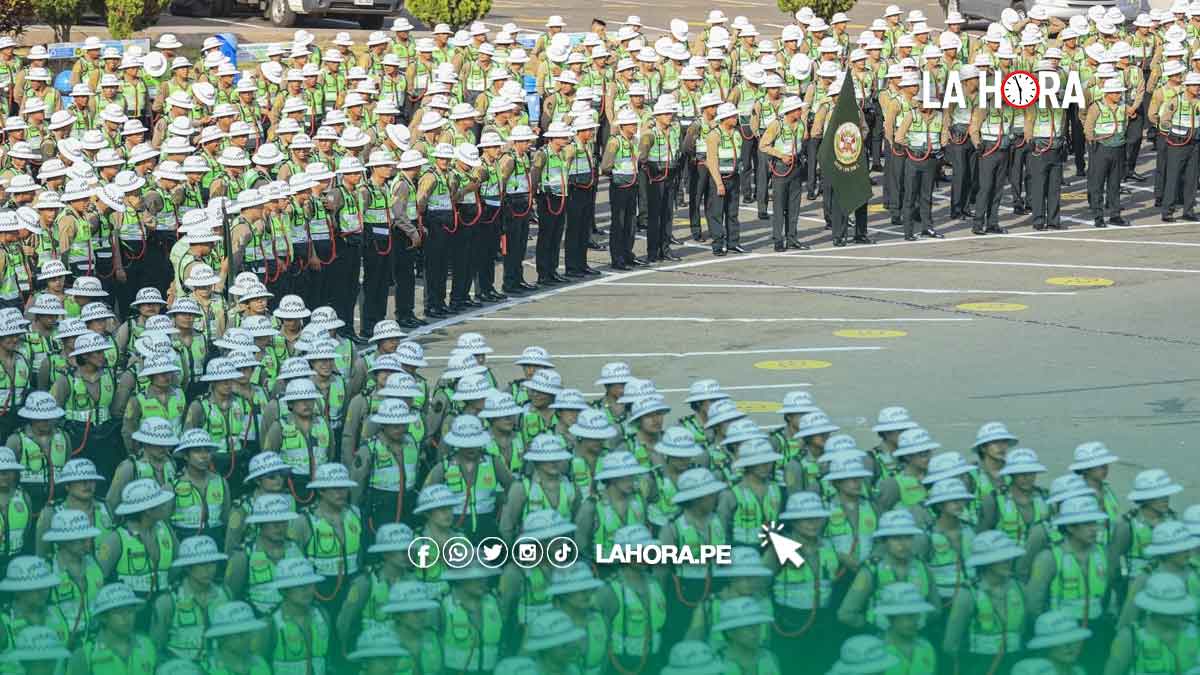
x=203 y=469
x=418 y=156
x=282 y=498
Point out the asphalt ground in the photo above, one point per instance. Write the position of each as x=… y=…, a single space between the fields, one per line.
x=1068 y=336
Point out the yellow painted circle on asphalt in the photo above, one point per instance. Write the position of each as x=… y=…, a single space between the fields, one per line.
x=759 y=406
x=992 y=306
x=792 y=364
x=1080 y=282
x=869 y=333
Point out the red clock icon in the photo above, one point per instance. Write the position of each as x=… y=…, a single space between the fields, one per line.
x=1020 y=89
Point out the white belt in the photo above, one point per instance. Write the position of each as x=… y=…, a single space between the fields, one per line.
x=381 y=231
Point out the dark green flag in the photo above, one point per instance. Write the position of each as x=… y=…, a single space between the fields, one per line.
x=843 y=152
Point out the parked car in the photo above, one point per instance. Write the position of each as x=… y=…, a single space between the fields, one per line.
x=1063 y=9
x=370 y=14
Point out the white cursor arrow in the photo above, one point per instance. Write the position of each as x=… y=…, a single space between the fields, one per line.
x=787 y=551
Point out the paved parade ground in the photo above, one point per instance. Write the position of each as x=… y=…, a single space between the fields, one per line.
x=1087 y=334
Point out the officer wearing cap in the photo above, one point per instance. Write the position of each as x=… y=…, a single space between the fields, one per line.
x=960 y=153
x=990 y=133
x=620 y=161
x=781 y=146
x=922 y=132
x=1105 y=128
x=411 y=236
x=1167 y=82
x=721 y=158
x=1045 y=138
x=1180 y=145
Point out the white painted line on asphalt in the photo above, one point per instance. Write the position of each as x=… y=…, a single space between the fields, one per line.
x=683 y=355
x=823 y=252
x=736 y=387
x=705 y=319
x=1141 y=242
x=1004 y=263
x=866 y=289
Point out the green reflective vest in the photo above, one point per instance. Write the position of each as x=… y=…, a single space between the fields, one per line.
x=1076 y=591
x=196 y=510
x=335 y=555
x=991 y=632
x=1152 y=655
x=636 y=629
x=260 y=577
x=137 y=569
x=752 y=511
x=296 y=653
x=386 y=471
x=104 y=660
x=470 y=645
x=810 y=585
x=189 y=619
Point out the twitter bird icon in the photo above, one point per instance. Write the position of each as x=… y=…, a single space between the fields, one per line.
x=492 y=552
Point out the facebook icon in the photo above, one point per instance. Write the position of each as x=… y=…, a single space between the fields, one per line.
x=423 y=553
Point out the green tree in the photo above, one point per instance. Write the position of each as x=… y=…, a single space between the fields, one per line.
x=127 y=16
x=457 y=13
x=822 y=8
x=14 y=14
x=60 y=15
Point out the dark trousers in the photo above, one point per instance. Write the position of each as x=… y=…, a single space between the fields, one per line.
x=345 y=268
x=458 y=250
x=785 y=192
x=436 y=257
x=377 y=278
x=840 y=219
x=893 y=183
x=1045 y=183
x=991 y=180
x=517 y=211
x=134 y=256
x=697 y=186
x=403 y=277
x=964 y=170
x=484 y=245
x=660 y=210
x=1182 y=162
x=812 y=149
x=723 y=225
x=552 y=211
x=643 y=199
x=762 y=185
x=918 y=191
x=622 y=199
x=1078 y=142
x=747 y=164
x=157 y=271
x=875 y=135
x=1160 y=168
x=1104 y=180
x=991 y=183
x=1133 y=137
x=1018 y=176
x=315 y=293
x=580 y=216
